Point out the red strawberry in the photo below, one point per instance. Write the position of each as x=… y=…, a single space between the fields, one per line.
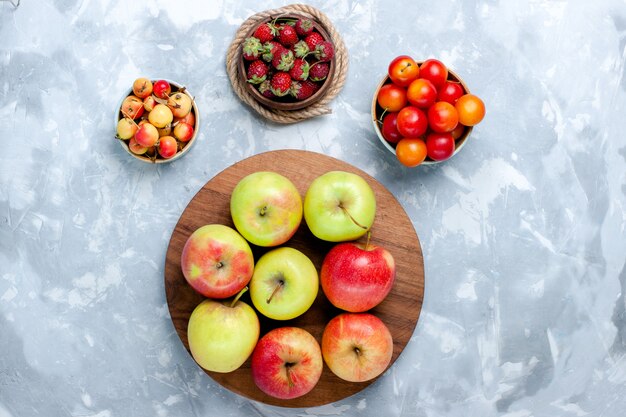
x=252 y=48
x=287 y=35
x=300 y=49
x=257 y=72
x=266 y=90
x=313 y=40
x=266 y=32
x=303 y=90
x=283 y=60
x=270 y=49
x=304 y=27
x=300 y=70
x=319 y=71
x=324 y=51
x=281 y=83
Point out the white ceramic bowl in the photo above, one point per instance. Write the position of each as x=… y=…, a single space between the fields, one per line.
x=158 y=160
x=377 y=111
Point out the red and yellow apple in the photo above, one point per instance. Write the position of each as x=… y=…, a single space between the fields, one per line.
x=356 y=277
x=266 y=208
x=132 y=107
x=286 y=363
x=357 y=347
x=136 y=148
x=142 y=87
x=183 y=131
x=149 y=103
x=222 y=334
x=180 y=104
x=167 y=147
x=216 y=261
x=147 y=135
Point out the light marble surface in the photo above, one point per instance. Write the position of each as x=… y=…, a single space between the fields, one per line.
x=523 y=232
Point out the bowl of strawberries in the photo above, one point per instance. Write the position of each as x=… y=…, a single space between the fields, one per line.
x=423 y=112
x=287 y=61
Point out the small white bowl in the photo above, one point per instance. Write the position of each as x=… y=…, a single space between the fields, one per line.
x=377 y=111
x=158 y=160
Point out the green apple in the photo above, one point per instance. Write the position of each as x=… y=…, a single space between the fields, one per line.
x=339 y=206
x=222 y=334
x=266 y=208
x=284 y=284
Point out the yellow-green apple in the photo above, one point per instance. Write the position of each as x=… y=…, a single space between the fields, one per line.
x=357 y=347
x=286 y=363
x=284 y=284
x=180 y=104
x=222 y=334
x=216 y=261
x=357 y=277
x=266 y=208
x=126 y=128
x=339 y=206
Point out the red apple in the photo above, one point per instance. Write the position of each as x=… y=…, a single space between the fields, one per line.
x=357 y=347
x=162 y=89
x=216 y=261
x=286 y=363
x=357 y=277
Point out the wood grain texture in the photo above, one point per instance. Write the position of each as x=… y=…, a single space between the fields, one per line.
x=392 y=229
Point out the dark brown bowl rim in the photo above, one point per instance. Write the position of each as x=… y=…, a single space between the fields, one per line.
x=288 y=105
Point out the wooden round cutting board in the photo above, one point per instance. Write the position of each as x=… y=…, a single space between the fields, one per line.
x=392 y=230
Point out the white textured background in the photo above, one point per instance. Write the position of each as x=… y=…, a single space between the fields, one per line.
x=523 y=232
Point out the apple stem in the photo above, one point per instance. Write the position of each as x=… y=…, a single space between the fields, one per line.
x=367 y=242
x=243 y=290
x=172 y=103
x=351 y=218
x=126 y=115
x=278 y=286
x=408 y=65
x=263 y=211
x=288 y=370
x=382 y=115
